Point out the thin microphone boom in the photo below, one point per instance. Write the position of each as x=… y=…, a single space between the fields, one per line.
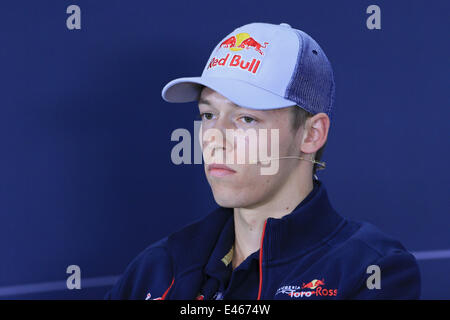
x=321 y=164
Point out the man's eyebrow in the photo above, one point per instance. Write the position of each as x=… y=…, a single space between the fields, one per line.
x=208 y=103
x=203 y=101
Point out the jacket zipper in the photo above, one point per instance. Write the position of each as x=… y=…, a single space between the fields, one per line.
x=260 y=268
x=260 y=262
x=167 y=291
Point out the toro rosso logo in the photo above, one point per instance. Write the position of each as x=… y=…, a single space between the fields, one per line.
x=236 y=43
x=313 y=288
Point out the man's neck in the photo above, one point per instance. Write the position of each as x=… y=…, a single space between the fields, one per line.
x=249 y=223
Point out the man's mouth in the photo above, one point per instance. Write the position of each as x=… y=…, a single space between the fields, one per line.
x=220 y=170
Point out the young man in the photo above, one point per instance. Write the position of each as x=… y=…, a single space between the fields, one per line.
x=273 y=236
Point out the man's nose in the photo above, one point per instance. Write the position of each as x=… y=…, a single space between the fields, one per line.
x=223 y=123
x=219 y=137
x=216 y=144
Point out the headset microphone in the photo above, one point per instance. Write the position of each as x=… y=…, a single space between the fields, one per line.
x=319 y=163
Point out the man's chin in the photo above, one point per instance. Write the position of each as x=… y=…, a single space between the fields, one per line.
x=229 y=199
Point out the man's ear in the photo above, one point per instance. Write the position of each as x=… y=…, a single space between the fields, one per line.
x=315 y=132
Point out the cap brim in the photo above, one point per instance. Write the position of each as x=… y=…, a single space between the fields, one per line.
x=239 y=92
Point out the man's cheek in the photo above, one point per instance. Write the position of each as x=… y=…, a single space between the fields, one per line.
x=200 y=136
x=269 y=148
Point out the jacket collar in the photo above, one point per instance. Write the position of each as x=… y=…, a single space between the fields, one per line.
x=309 y=224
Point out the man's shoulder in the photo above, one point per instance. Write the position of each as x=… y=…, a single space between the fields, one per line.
x=364 y=236
x=361 y=248
x=186 y=236
x=156 y=265
x=155 y=252
x=140 y=273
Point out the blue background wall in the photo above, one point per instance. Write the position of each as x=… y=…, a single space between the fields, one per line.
x=85 y=171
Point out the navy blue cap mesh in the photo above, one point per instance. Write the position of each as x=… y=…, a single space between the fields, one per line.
x=312 y=84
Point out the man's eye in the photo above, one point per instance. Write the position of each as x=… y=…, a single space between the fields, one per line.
x=248 y=119
x=206 y=115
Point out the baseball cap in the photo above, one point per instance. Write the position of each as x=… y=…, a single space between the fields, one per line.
x=264 y=66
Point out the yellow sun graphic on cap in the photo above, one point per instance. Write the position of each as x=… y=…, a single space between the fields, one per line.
x=239 y=38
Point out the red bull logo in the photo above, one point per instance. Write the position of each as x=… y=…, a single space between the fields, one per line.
x=313 y=288
x=237 y=61
x=313 y=284
x=241 y=41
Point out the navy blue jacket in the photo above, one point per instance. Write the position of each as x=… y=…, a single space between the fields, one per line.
x=311 y=253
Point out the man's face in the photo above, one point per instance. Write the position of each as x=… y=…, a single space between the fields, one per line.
x=242 y=185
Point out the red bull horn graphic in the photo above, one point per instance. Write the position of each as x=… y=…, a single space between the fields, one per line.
x=313 y=284
x=306 y=290
x=241 y=41
x=230 y=42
